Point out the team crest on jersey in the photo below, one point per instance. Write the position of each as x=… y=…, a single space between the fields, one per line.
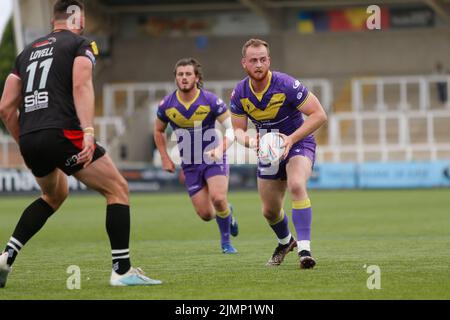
x=296 y=84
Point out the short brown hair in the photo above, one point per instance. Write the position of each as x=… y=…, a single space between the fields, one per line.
x=197 y=69
x=255 y=43
x=60 y=8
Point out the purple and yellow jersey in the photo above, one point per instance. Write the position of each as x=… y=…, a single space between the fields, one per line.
x=193 y=123
x=277 y=107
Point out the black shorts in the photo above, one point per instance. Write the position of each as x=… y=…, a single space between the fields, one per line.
x=46 y=150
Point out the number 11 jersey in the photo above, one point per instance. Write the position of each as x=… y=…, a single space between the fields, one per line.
x=45 y=68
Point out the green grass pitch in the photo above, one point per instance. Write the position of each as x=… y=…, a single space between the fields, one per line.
x=406 y=233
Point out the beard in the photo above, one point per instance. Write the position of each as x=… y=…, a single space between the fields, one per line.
x=258 y=76
x=186 y=87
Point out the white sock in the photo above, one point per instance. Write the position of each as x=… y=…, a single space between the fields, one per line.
x=285 y=240
x=304 y=245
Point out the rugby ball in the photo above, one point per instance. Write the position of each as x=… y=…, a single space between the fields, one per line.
x=270 y=148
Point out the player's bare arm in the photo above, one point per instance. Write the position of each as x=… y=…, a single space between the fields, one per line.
x=83 y=94
x=9 y=105
x=240 y=125
x=161 y=144
x=228 y=140
x=316 y=118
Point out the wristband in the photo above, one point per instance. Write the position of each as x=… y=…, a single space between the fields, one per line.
x=89 y=131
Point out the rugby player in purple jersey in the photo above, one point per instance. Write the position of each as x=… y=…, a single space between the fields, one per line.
x=192 y=112
x=275 y=101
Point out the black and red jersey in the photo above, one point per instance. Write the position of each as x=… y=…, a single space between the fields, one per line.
x=45 y=68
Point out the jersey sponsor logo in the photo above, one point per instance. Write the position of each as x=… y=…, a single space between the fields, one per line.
x=47 y=52
x=296 y=84
x=188 y=122
x=72 y=161
x=269 y=123
x=36 y=101
x=271 y=110
x=44 y=43
x=275 y=103
x=41 y=44
x=300 y=95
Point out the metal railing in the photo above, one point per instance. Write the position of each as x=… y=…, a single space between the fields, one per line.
x=6 y=143
x=107 y=128
x=381 y=142
x=403 y=85
x=155 y=91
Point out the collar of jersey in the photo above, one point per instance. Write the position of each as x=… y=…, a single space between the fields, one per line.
x=260 y=94
x=188 y=104
x=58 y=31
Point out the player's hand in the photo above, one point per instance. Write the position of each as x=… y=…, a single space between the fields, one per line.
x=215 y=154
x=288 y=142
x=86 y=155
x=181 y=177
x=168 y=165
x=253 y=143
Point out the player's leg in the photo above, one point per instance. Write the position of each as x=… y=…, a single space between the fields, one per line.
x=217 y=182
x=272 y=194
x=54 y=192
x=196 y=180
x=54 y=188
x=198 y=191
x=103 y=176
x=203 y=205
x=299 y=169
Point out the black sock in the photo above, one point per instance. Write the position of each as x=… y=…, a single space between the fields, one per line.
x=32 y=220
x=118 y=228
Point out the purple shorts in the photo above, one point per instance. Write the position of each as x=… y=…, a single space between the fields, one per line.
x=278 y=172
x=197 y=174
